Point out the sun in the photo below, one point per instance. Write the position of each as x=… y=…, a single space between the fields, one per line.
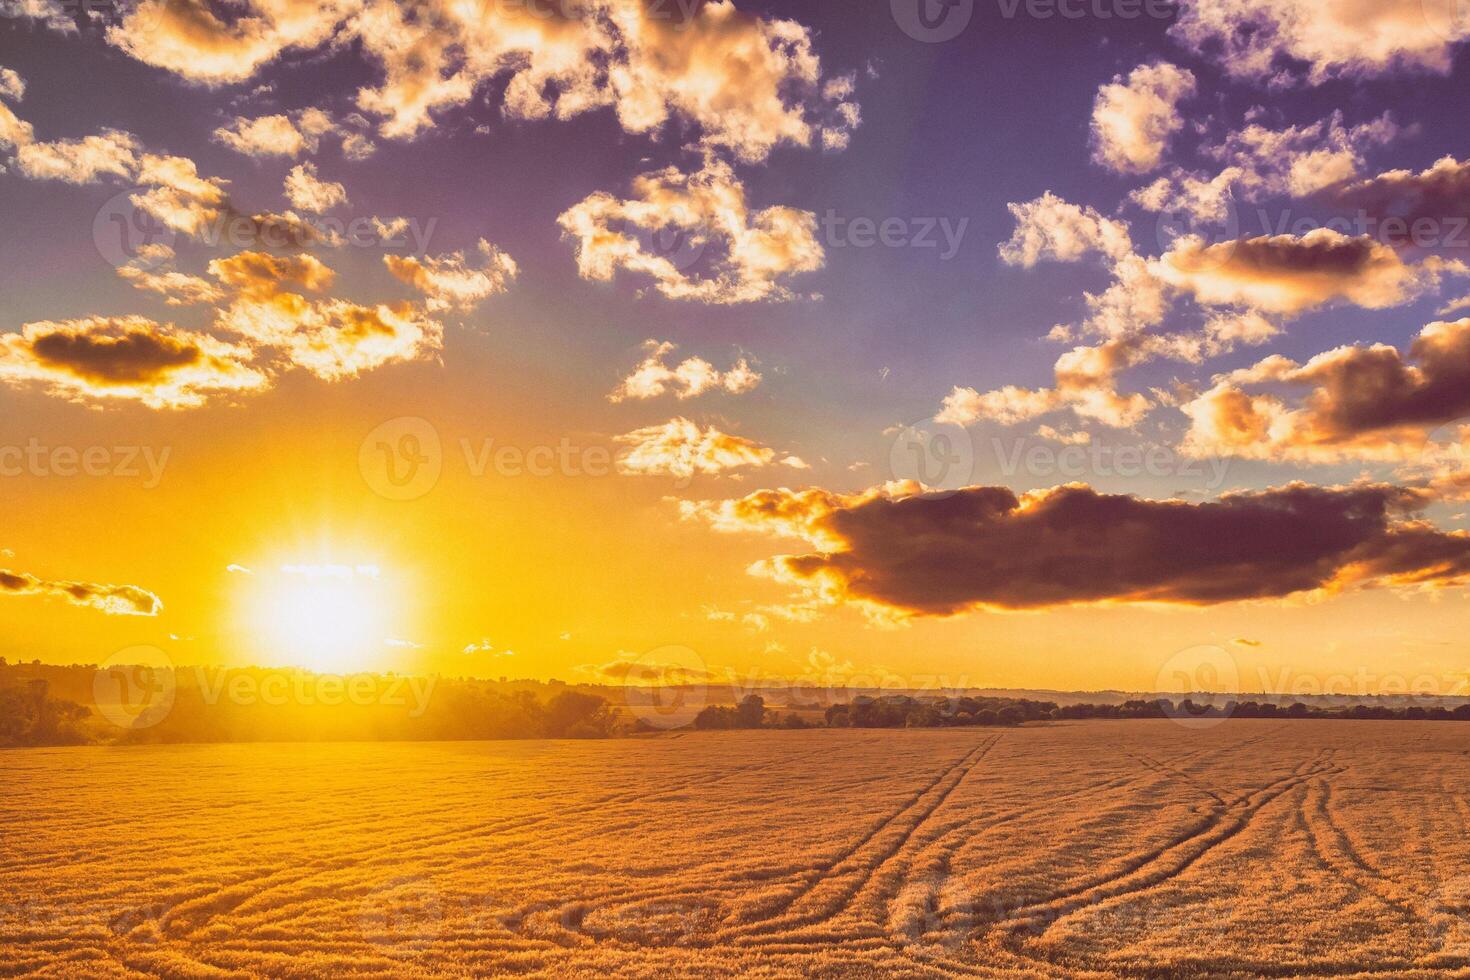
x=326 y=618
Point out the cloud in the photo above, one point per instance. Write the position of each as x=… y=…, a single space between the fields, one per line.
x=1051 y=229
x=187 y=38
x=259 y=274
x=309 y=193
x=1440 y=193
x=81 y=161
x=681 y=448
x=1262 y=39
x=449 y=283
x=651 y=673
x=126 y=358
x=1363 y=402
x=114 y=600
x=12 y=86
x=704 y=219
x=898 y=549
x=691 y=377
x=177 y=196
x=1086 y=383
x=266 y=136
x=54 y=14
x=333 y=339
x=1134 y=120
x=746 y=84
x=1291 y=274
x=152 y=269
x=14 y=131
x=1259 y=163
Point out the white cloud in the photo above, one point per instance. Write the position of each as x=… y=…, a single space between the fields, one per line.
x=1133 y=120
x=306 y=191
x=691 y=377
x=676 y=224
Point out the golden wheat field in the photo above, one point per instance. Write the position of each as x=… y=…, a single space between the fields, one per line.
x=1134 y=849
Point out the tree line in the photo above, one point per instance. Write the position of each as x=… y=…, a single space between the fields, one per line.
x=46 y=705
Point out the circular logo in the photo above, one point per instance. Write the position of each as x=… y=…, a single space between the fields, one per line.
x=680 y=247
x=1209 y=239
x=1205 y=670
x=145 y=16
x=1449 y=917
x=135 y=688
x=666 y=688
x=1446 y=453
x=939 y=455
x=1450 y=19
x=403 y=916
x=926 y=913
x=932 y=21
x=401 y=459
x=127 y=235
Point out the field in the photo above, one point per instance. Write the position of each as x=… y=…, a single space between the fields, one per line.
x=1134 y=849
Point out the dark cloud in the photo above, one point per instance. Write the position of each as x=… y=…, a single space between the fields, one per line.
x=115 y=600
x=1360 y=401
x=1292 y=274
x=943 y=554
x=1440 y=193
x=130 y=356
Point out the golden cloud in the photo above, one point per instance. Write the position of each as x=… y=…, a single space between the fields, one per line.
x=681 y=448
x=448 y=282
x=114 y=600
x=1291 y=274
x=126 y=358
x=1133 y=120
x=691 y=377
x=1360 y=402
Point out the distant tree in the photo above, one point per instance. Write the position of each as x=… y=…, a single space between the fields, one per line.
x=751 y=712
x=572 y=714
x=714 y=717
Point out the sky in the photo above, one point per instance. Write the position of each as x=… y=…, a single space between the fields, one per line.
x=1025 y=343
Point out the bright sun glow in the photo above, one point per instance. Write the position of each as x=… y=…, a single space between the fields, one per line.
x=325 y=618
